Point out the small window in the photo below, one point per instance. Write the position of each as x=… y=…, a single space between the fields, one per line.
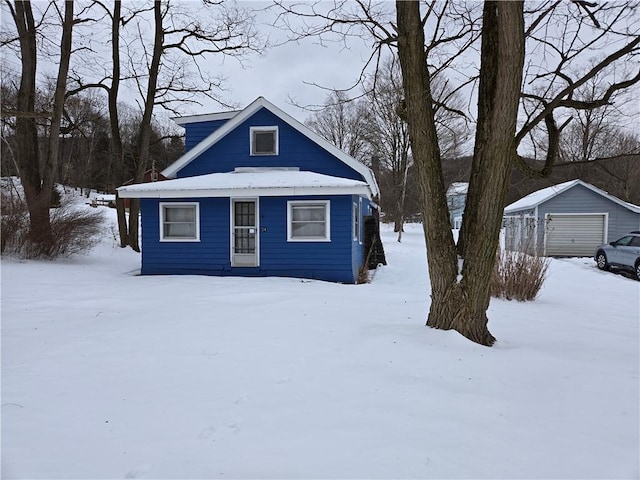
x=357 y=221
x=179 y=222
x=264 y=140
x=308 y=221
x=356 y=226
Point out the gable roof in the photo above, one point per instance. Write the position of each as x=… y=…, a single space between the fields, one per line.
x=236 y=118
x=540 y=196
x=268 y=182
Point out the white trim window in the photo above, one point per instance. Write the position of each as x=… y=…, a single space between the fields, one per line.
x=179 y=222
x=263 y=140
x=360 y=220
x=308 y=221
x=357 y=221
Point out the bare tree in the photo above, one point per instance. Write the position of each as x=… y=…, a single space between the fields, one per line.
x=343 y=121
x=117 y=154
x=592 y=131
x=436 y=39
x=180 y=36
x=389 y=135
x=462 y=305
x=38 y=177
x=389 y=132
x=165 y=68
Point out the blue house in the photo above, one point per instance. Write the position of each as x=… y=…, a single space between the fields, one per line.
x=257 y=193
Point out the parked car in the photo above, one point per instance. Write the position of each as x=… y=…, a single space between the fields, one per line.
x=624 y=253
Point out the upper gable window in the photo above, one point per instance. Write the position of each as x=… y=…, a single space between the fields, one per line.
x=264 y=140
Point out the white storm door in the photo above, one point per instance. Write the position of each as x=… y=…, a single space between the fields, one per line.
x=244 y=233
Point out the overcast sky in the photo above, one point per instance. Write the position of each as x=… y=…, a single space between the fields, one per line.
x=284 y=74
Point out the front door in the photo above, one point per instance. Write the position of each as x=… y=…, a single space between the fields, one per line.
x=244 y=234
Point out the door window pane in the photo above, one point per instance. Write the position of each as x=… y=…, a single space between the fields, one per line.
x=245 y=214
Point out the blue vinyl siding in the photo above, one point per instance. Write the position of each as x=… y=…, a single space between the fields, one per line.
x=577 y=200
x=198 y=131
x=337 y=260
x=295 y=150
x=357 y=245
x=580 y=199
x=209 y=254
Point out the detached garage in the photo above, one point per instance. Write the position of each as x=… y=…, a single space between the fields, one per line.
x=569 y=219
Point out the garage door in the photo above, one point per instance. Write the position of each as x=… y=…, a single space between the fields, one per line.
x=574 y=235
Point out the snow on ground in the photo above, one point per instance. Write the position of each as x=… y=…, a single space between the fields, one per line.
x=107 y=374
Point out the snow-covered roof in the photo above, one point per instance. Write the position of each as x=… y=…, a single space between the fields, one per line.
x=458 y=188
x=236 y=118
x=107 y=197
x=540 y=196
x=248 y=181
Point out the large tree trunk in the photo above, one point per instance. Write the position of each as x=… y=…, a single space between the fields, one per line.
x=462 y=305
x=27 y=150
x=51 y=163
x=441 y=251
x=502 y=60
x=38 y=183
x=145 y=126
x=114 y=123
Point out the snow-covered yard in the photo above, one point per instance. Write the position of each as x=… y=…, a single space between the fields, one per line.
x=107 y=374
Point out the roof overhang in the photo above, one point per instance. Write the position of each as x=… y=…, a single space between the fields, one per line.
x=250 y=184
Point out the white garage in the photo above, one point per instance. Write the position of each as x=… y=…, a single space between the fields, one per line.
x=568 y=220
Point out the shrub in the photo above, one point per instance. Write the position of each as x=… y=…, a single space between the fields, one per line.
x=56 y=197
x=74 y=230
x=15 y=223
x=518 y=276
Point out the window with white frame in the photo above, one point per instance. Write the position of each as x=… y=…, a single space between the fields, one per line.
x=179 y=222
x=308 y=221
x=264 y=140
x=356 y=222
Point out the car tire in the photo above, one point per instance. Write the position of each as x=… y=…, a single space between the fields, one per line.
x=637 y=270
x=601 y=261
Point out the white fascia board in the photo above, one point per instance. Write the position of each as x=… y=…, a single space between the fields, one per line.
x=207 y=117
x=537 y=199
x=243 y=115
x=361 y=168
x=556 y=190
x=630 y=206
x=171 y=170
x=245 y=192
